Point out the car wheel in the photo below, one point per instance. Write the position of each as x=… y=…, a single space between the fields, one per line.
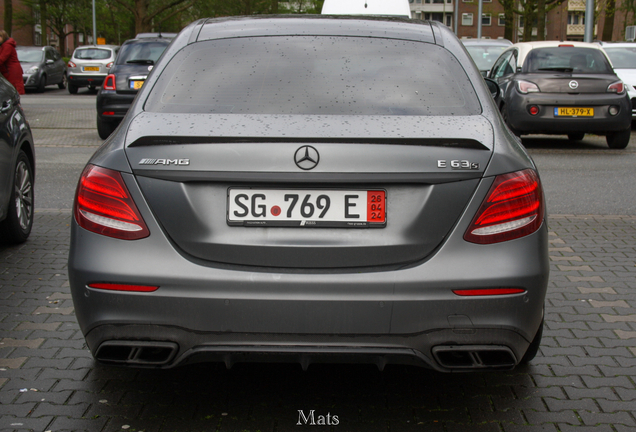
x=72 y=89
x=576 y=136
x=62 y=84
x=17 y=226
x=41 y=84
x=533 y=349
x=618 y=140
x=105 y=128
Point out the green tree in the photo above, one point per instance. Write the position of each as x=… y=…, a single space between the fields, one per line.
x=151 y=14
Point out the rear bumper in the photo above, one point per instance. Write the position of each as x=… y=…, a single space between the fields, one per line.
x=546 y=122
x=233 y=313
x=109 y=101
x=83 y=80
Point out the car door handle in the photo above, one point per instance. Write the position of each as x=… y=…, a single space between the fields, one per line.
x=6 y=106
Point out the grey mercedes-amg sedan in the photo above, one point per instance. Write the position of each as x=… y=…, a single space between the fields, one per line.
x=311 y=189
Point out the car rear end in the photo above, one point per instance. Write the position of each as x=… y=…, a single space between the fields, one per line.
x=282 y=190
x=89 y=66
x=127 y=75
x=567 y=89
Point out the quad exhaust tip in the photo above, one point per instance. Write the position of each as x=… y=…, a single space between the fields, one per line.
x=458 y=357
x=136 y=352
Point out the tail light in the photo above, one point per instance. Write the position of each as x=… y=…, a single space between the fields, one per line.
x=110 y=65
x=104 y=206
x=513 y=208
x=616 y=87
x=109 y=83
x=526 y=87
x=71 y=64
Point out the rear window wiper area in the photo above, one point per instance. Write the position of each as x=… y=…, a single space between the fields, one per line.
x=141 y=61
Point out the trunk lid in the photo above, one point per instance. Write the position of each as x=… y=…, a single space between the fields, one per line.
x=560 y=82
x=428 y=167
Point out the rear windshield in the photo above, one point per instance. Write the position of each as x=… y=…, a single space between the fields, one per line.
x=92 y=54
x=567 y=59
x=623 y=57
x=30 y=56
x=141 y=52
x=314 y=75
x=484 y=56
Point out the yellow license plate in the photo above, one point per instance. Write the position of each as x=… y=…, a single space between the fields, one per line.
x=574 y=112
x=91 y=69
x=136 y=85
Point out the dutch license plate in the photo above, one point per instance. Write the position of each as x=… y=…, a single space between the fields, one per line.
x=136 y=85
x=91 y=69
x=573 y=112
x=306 y=208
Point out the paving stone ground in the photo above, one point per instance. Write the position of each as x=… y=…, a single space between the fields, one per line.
x=584 y=378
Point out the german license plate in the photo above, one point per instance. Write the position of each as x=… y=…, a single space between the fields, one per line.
x=573 y=112
x=91 y=68
x=136 y=84
x=306 y=208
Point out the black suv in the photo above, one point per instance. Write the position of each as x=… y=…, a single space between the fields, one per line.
x=132 y=66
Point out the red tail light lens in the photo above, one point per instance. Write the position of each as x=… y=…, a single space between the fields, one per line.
x=71 y=64
x=513 y=208
x=104 y=206
x=110 y=65
x=124 y=287
x=616 y=87
x=486 y=291
x=109 y=83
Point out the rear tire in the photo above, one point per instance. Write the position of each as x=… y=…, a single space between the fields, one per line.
x=618 y=140
x=533 y=349
x=72 y=89
x=62 y=84
x=105 y=128
x=576 y=136
x=504 y=114
x=17 y=226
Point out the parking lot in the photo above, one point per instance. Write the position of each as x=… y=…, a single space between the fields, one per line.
x=583 y=378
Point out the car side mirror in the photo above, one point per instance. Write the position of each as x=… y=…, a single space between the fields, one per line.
x=493 y=87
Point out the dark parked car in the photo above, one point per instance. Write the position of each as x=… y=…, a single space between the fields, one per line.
x=41 y=66
x=132 y=66
x=564 y=88
x=484 y=52
x=89 y=65
x=17 y=168
x=282 y=188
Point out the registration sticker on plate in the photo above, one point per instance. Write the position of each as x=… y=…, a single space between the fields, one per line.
x=306 y=208
x=136 y=85
x=91 y=68
x=573 y=112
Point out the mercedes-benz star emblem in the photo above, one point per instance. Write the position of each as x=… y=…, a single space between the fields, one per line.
x=306 y=157
x=574 y=85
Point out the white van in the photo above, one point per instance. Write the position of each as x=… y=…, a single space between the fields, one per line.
x=367 y=7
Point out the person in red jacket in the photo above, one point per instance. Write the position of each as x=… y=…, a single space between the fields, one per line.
x=9 y=64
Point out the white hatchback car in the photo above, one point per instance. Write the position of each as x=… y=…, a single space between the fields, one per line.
x=89 y=66
x=623 y=58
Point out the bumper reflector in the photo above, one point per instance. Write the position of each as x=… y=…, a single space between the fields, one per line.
x=123 y=287
x=488 y=291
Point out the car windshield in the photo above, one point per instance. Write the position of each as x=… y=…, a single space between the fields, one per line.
x=142 y=52
x=622 y=57
x=314 y=75
x=30 y=56
x=567 y=59
x=485 y=56
x=92 y=54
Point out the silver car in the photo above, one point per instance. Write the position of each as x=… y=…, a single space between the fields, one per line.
x=89 y=66
x=309 y=189
x=41 y=67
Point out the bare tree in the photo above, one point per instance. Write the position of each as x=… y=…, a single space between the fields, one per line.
x=149 y=13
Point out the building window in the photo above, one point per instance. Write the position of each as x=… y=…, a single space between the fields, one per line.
x=418 y=15
x=449 y=20
x=486 y=19
x=502 y=20
x=467 y=19
x=576 y=18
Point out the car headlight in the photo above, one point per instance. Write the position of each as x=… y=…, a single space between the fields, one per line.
x=33 y=70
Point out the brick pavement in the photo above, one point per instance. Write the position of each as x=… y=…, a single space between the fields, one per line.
x=582 y=380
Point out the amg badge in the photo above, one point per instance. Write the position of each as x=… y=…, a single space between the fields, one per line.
x=164 y=162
